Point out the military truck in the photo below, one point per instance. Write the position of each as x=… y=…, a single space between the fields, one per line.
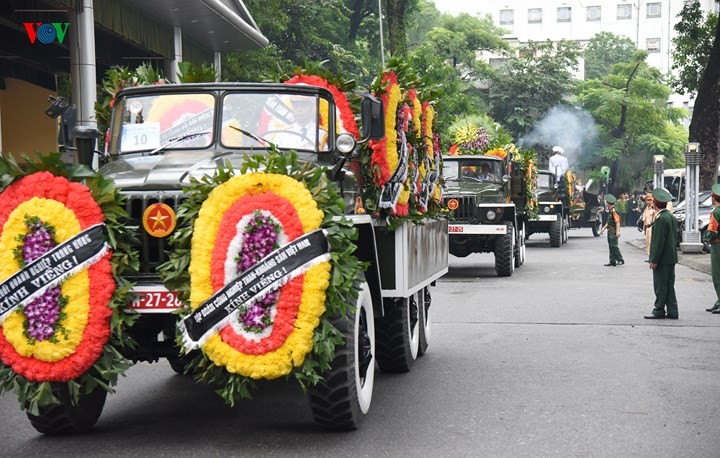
x=485 y=197
x=553 y=215
x=162 y=135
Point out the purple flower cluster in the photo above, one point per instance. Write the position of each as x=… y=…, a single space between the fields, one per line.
x=42 y=313
x=259 y=240
x=481 y=141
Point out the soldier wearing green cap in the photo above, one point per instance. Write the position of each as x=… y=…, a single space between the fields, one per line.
x=712 y=236
x=613 y=228
x=663 y=257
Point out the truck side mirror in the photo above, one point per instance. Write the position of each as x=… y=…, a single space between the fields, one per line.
x=373 y=119
x=85 y=137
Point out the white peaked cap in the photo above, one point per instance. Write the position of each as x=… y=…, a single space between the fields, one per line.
x=558 y=149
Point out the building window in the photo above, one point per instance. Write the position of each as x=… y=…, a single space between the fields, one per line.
x=534 y=15
x=506 y=17
x=593 y=13
x=653 y=9
x=564 y=13
x=624 y=11
x=653 y=45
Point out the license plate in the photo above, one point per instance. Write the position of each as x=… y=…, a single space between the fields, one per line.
x=455 y=229
x=155 y=299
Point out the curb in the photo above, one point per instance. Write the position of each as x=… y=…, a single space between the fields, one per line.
x=695 y=261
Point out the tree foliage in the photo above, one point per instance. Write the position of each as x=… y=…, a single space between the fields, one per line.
x=532 y=83
x=634 y=122
x=692 y=47
x=604 y=50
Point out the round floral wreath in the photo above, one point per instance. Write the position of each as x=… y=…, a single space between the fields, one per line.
x=27 y=344
x=346 y=117
x=238 y=220
x=68 y=332
x=221 y=235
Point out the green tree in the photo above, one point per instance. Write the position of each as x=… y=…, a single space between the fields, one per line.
x=697 y=57
x=529 y=85
x=634 y=121
x=604 y=50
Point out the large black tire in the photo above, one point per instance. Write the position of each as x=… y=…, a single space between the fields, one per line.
x=65 y=418
x=342 y=399
x=556 y=233
x=425 y=320
x=519 y=253
x=597 y=224
x=505 y=253
x=398 y=335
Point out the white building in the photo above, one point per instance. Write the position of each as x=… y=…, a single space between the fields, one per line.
x=649 y=24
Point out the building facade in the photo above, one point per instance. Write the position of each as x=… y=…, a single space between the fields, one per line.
x=649 y=24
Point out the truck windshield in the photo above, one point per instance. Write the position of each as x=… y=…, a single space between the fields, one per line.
x=472 y=170
x=156 y=122
x=543 y=181
x=290 y=121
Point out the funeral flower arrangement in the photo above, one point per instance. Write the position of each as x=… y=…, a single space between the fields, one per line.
x=276 y=229
x=402 y=171
x=64 y=250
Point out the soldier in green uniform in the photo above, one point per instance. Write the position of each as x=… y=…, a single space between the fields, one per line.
x=712 y=236
x=613 y=228
x=663 y=257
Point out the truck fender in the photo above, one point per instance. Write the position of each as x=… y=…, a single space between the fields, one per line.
x=366 y=252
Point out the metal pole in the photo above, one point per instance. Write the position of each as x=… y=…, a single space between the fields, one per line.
x=382 y=42
x=658 y=170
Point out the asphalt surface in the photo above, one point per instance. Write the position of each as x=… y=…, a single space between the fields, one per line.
x=556 y=360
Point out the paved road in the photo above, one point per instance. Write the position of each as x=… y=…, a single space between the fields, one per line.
x=553 y=361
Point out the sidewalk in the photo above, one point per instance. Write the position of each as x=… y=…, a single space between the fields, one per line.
x=697 y=261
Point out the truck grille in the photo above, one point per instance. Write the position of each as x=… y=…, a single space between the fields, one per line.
x=152 y=250
x=466 y=206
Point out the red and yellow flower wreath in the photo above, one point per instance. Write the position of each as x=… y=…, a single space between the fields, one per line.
x=300 y=302
x=346 y=122
x=384 y=151
x=69 y=208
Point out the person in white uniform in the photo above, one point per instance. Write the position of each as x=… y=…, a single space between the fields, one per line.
x=558 y=163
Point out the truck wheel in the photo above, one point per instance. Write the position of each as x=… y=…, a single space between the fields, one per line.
x=504 y=253
x=520 y=247
x=342 y=399
x=398 y=335
x=66 y=418
x=425 y=320
x=556 y=233
x=597 y=225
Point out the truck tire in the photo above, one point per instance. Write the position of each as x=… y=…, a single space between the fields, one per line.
x=520 y=246
x=398 y=335
x=505 y=253
x=556 y=233
x=597 y=224
x=342 y=399
x=425 y=321
x=65 y=418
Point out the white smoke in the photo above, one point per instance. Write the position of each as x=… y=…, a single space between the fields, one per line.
x=566 y=127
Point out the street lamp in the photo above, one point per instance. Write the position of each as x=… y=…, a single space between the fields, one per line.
x=658 y=170
x=691 y=236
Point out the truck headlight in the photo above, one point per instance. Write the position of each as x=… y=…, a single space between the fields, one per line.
x=490 y=215
x=546 y=209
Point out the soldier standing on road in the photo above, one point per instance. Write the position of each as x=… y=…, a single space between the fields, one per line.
x=712 y=236
x=613 y=228
x=663 y=257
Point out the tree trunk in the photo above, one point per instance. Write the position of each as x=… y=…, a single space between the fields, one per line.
x=358 y=7
x=706 y=116
x=395 y=13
